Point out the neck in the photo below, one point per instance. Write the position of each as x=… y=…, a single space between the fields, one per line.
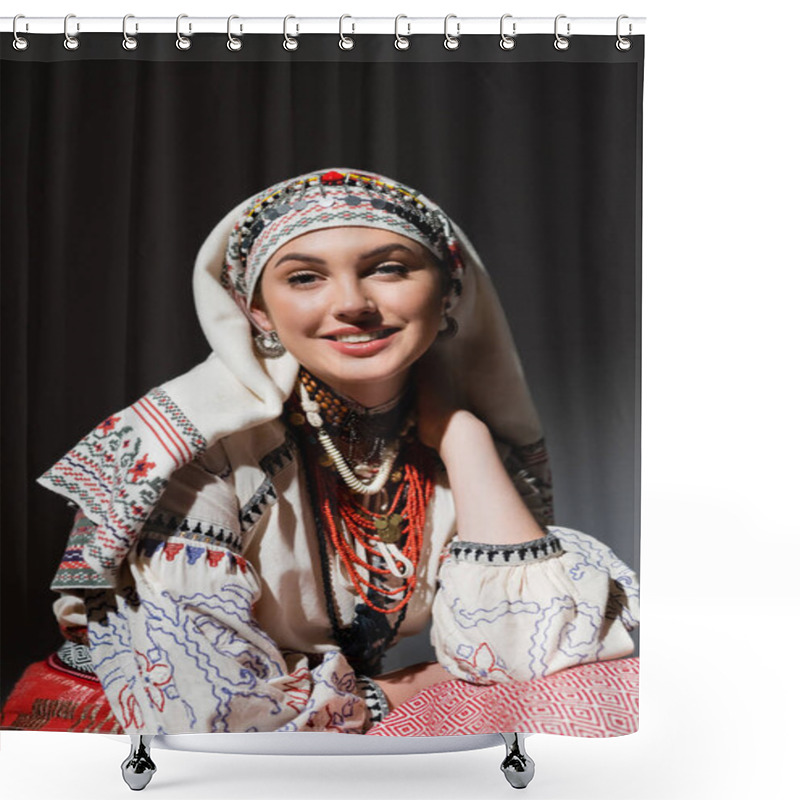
x=349 y=417
x=369 y=396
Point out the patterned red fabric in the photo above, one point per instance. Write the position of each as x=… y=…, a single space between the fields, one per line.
x=52 y=698
x=597 y=700
x=593 y=700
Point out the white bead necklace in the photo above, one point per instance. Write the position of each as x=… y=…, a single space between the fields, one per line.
x=312 y=412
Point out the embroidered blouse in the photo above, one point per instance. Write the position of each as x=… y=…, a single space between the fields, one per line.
x=219 y=620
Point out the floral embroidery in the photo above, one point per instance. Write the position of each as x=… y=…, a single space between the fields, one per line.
x=484 y=666
x=131 y=710
x=141 y=468
x=108 y=424
x=117 y=473
x=298 y=689
x=155 y=676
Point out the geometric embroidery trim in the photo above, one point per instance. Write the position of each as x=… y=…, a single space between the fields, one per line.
x=506 y=554
x=266 y=495
x=163 y=525
x=73 y=572
x=375 y=698
x=118 y=471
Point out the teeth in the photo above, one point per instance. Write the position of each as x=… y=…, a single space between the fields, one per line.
x=356 y=338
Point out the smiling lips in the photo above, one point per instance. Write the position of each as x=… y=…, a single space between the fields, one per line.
x=360 y=342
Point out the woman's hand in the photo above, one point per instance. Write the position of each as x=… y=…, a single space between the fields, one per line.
x=436 y=402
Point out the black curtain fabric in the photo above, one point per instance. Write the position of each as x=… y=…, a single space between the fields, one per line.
x=116 y=165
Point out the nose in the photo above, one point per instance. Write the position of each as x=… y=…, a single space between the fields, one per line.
x=352 y=300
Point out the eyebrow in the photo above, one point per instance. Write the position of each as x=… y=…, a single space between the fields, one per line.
x=387 y=248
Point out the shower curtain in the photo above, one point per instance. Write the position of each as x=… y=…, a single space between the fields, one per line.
x=115 y=166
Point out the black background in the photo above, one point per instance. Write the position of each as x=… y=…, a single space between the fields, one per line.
x=115 y=166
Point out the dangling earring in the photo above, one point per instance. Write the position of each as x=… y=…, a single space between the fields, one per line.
x=448 y=327
x=268 y=344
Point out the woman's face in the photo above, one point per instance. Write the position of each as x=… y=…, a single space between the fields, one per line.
x=356 y=306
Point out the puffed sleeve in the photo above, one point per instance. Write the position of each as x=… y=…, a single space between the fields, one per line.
x=175 y=643
x=519 y=612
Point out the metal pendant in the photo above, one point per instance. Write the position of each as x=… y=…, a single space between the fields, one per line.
x=389 y=528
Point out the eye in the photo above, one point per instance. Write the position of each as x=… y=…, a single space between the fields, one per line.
x=301 y=279
x=392 y=268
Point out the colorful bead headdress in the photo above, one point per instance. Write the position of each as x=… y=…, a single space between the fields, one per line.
x=330 y=199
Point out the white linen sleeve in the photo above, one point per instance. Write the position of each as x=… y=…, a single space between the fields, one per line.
x=520 y=612
x=175 y=643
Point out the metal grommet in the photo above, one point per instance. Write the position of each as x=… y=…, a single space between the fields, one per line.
x=561 y=42
x=451 y=42
x=234 y=43
x=182 y=42
x=129 y=42
x=20 y=42
x=623 y=44
x=71 y=42
x=507 y=42
x=401 y=42
x=289 y=42
x=346 y=42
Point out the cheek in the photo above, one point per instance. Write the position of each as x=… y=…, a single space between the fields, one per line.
x=292 y=310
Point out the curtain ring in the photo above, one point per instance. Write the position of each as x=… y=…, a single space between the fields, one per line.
x=234 y=43
x=451 y=42
x=20 y=42
x=129 y=42
x=71 y=42
x=289 y=42
x=561 y=42
x=182 y=42
x=507 y=42
x=346 y=42
x=622 y=43
x=401 y=42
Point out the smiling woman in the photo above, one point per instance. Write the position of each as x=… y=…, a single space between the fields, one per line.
x=359 y=456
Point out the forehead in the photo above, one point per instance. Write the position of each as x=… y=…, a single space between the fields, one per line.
x=346 y=241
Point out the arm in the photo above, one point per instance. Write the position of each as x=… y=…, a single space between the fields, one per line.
x=515 y=602
x=175 y=644
x=488 y=506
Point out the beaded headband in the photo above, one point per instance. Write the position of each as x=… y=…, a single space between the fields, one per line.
x=332 y=199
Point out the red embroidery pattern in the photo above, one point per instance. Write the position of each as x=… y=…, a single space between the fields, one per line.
x=483 y=666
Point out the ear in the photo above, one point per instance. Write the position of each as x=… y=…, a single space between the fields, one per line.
x=261 y=318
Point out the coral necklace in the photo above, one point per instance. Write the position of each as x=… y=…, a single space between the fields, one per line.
x=378 y=539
